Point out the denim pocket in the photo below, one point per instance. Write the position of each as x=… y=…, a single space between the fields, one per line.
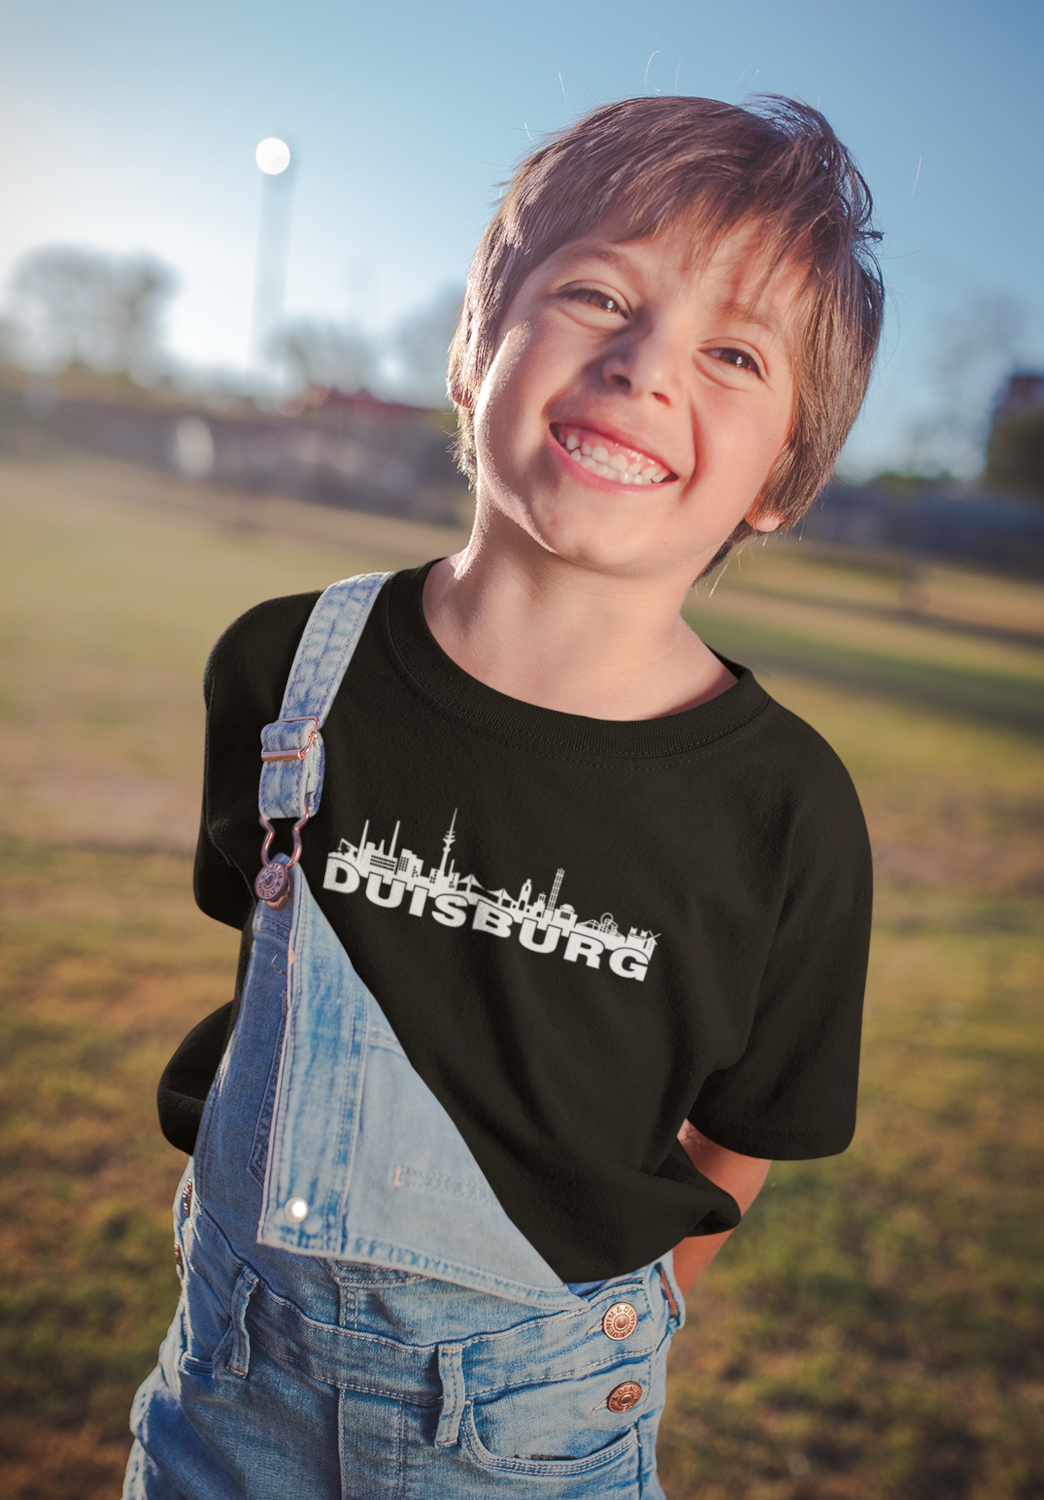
x=231 y=1352
x=206 y=1315
x=609 y=1466
x=206 y=1322
x=582 y=1425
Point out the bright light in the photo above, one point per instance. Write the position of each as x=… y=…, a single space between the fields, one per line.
x=273 y=156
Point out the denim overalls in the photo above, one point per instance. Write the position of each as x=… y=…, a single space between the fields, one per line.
x=359 y=1318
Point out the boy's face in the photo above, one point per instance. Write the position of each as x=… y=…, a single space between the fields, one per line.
x=636 y=403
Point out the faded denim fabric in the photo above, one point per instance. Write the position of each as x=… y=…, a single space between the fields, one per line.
x=358 y=1316
x=361 y=1142
x=291 y=787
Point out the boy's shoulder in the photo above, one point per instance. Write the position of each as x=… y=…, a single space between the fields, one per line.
x=775 y=730
x=803 y=745
x=260 y=639
x=264 y=625
x=784 y=761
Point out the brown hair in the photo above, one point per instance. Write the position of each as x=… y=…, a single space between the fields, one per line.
x=775 y=167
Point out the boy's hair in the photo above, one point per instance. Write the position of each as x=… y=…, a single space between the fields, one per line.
x=775 y=168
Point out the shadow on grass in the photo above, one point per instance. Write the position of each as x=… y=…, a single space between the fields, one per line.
x=998 y=699
x=875 y=1331
x=890 y=614
x=104 y=964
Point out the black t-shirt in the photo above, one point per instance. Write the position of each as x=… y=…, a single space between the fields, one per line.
x=582 y=931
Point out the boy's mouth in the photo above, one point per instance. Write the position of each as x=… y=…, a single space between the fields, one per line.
x=603 y=456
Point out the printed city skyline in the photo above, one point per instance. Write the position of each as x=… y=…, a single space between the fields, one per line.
x=397 y=877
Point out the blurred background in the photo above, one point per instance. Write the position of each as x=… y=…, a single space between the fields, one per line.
x=232 y=246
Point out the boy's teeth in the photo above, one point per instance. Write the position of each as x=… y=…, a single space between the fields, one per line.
x=611 y=460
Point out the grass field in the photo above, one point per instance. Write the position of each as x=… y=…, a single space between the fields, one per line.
x=876 y=1328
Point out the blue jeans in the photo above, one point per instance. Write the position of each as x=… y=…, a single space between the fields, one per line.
x=419 y=1389
x=358 y=1315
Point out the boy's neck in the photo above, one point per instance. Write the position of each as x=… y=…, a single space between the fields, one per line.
x=560 y=636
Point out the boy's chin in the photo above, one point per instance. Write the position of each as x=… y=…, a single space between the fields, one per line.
x=611 y=552
x=611 y=535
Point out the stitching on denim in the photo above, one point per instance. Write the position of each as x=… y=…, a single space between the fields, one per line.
x=238 y=1362
x=364 y=1246
x=605 y=1458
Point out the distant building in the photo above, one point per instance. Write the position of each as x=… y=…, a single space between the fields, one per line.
x=1015 y=447
x=1021 y=393
x=325 y=447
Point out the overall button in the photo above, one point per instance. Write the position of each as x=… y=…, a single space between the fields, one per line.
x=620 y=1321
x=624 y=1397
x=186 y=1198
x=297 y=1210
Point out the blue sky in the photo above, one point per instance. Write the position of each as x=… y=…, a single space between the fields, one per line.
x=131 y=125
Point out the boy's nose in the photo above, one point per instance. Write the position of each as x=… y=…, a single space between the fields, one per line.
x=645 y=364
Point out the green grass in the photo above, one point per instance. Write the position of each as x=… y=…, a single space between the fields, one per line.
x=104 y=963
x=876 y=1327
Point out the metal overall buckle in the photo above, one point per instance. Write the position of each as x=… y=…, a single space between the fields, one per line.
x=274 y=882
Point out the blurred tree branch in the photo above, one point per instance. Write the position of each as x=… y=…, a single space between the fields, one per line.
x=333 y=355
x=977 y=344
x=70 y=305
x=1015 y=455
x=421 y=346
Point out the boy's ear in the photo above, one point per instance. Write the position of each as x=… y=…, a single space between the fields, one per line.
x=763 y=523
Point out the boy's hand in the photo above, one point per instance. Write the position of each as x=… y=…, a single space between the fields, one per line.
x=741 y=1176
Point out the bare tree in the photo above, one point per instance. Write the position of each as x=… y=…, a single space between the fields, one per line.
x=336 y=356
x=75 y=305
x=421 y=345
x=977 y=344
x=8 y=341
x=1015 y=455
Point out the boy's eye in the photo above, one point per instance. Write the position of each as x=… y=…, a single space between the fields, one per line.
x=594 y=298
x=739 y=358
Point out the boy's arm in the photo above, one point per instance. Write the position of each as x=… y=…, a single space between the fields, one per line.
x=742 y=1176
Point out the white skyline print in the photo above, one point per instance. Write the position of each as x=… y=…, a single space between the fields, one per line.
x=542 y=925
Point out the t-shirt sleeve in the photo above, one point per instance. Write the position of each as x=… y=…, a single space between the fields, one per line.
x=243 y=690
x=792 y=1093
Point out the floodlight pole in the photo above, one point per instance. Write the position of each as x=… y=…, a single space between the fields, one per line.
x=273 y=245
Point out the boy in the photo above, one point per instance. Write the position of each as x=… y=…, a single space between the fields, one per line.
x=447 y=1196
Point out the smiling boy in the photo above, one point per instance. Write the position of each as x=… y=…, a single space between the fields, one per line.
x=630 y=418
x=447 y=1195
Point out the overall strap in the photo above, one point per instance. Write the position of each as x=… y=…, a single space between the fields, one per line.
x=292 y=752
